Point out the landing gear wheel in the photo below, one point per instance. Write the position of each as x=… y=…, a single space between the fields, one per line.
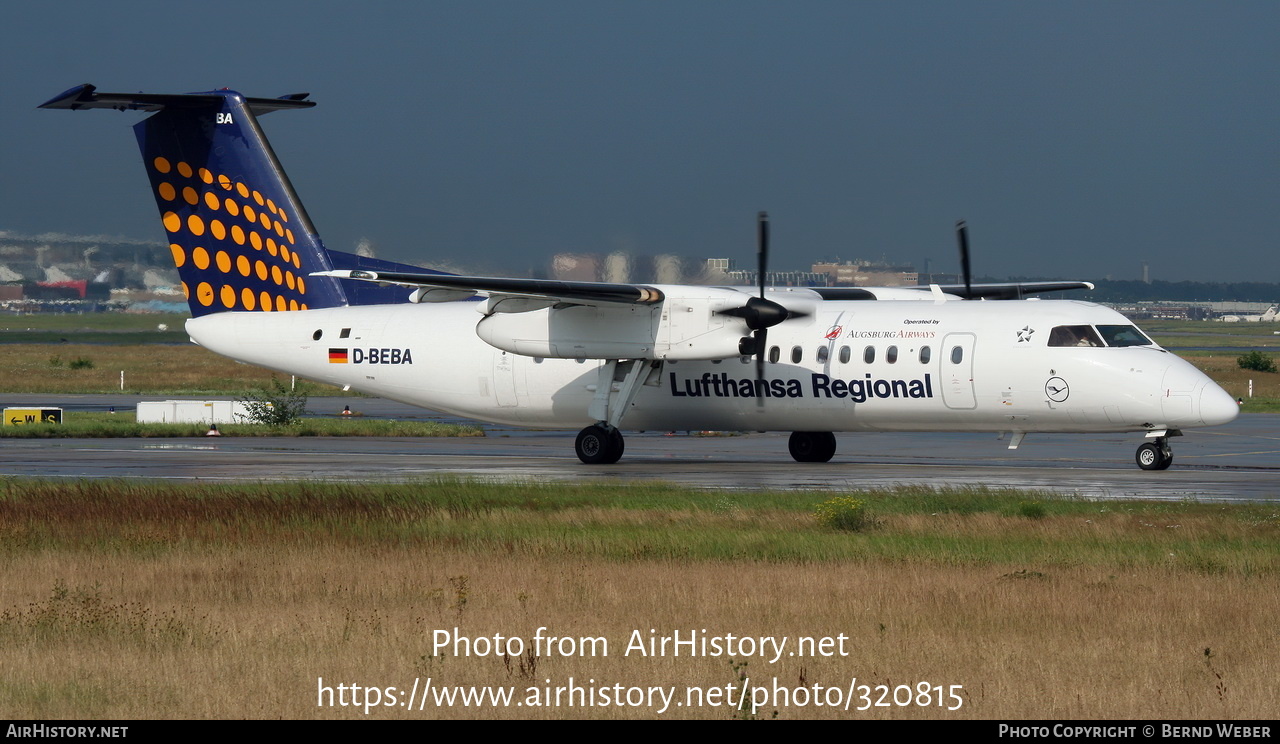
x=812 y=446
x=1155 y=455
x=599 y=445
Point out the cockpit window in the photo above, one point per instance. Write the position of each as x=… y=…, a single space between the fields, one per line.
x=1123 y=335
x=1081 y=335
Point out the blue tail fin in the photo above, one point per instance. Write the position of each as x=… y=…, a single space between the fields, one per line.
x=240 y=236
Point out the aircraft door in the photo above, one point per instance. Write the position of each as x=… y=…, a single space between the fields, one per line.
x=956 y=372
x=504 y=379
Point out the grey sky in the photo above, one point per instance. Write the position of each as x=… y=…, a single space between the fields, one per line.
x=1077 y=138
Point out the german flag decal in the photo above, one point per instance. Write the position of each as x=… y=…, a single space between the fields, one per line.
x=337 y=356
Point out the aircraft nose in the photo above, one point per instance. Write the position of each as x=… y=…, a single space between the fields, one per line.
x=1216 y=406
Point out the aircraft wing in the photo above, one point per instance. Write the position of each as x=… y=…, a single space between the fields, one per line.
x=996 y=291
x=590 y=293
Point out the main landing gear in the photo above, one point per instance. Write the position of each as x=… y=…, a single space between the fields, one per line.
x=812 y=446
x=616 y=387
x=1155 y=455
x=599 y=444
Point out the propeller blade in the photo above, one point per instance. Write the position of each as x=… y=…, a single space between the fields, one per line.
x=764 y=313
x=762 y=249
x=962 y=234
x=762 y=340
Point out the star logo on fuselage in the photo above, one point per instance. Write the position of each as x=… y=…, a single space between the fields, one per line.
x=1024 y=335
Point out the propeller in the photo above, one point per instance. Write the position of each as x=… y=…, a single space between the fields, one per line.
x=759 y=313
x=962 y=234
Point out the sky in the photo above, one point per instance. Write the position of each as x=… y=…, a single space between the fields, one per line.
x=1078 y=139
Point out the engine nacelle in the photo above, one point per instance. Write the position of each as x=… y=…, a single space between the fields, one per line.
x=687 y=324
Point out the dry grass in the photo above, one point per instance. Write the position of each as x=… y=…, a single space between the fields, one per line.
x=147 y=602
x=1224 y=370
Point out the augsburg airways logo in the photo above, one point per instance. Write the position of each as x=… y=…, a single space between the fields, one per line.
x=369 y=356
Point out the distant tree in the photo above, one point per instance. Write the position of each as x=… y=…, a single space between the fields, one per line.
x=1256 y=361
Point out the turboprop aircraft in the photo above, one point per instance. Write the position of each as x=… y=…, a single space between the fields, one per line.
x=264 y=290
x=1268 y=317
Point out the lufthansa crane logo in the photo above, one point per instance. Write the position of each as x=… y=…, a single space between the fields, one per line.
x=1057 y=390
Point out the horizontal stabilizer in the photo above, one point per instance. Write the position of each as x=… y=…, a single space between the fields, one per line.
x=87 y=97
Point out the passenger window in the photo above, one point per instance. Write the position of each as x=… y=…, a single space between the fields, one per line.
x=796 y=354
x=1076 y=335
x=774 y=354
x=745 y=359
x=925 y=354
x=823 y=354
x=345 y=333
x=869 y=354
x=957 y=354
x=537 y=360
x=844 y=355
x=891 y=355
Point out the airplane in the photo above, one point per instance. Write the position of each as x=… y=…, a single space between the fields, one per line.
x=1268 y=317
x=264 y=290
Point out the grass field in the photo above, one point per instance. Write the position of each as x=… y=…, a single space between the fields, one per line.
x=132 y=600
x=1173 y=334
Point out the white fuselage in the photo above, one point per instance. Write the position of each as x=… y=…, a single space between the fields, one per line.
x=933 y=366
